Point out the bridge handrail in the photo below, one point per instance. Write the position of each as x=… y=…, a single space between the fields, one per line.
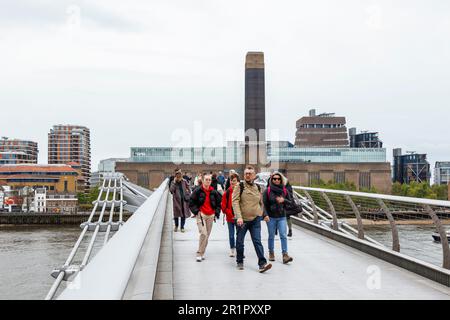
x=431 y=202
x=106 y=277
x=383 y=202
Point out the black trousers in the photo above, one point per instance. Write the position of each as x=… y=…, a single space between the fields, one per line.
x=183 y=221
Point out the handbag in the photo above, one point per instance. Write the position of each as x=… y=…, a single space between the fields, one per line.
x=293 y=208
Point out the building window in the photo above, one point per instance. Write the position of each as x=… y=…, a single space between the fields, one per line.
x=314 y=177
x=364 y=180
x=339 y=177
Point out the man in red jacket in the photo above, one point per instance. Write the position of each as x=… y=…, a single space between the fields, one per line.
x=227 y=208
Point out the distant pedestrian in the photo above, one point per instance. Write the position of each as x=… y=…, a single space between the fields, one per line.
x=198 y=180
x=227 y=209
x=276 y=197
x=191 y=180
x=221 y=180
x=179 y=188
x=205 y=205
x=187 y=178
x=228 y=182
x=214 y=181
x=247 y=206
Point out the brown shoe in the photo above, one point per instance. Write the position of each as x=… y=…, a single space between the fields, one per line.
x=271 y=256
x=287 y=258
x=265 y=267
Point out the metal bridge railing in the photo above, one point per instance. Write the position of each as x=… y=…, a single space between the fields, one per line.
x=111 y=182
x=335 y=208
x=106 y=277
x=101 y=225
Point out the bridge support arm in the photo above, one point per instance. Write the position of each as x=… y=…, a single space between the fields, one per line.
x=358 y=216
x=444 y=241
x=395 y=239
x=333 y=211
x=313 y=206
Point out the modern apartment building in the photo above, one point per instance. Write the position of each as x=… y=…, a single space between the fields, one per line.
x=410 y=167
x=442 y=172
x=105 y=166
x=71 y=143
x=16 y=151
x=109 y=165
x=364 y=139
x=323 y=130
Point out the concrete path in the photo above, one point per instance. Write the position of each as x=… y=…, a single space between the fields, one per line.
x=322 y=269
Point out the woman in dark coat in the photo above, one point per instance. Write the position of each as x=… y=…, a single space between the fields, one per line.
x=276 y=199
x=181 y=192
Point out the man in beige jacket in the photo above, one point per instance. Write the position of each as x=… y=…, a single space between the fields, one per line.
x=247 y=206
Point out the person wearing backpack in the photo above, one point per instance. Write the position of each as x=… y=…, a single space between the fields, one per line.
x=227 y=209
x=275 y=199
x=247 y=206
x=205 y=205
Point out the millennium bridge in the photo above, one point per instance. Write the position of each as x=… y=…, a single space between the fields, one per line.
x=334 y=257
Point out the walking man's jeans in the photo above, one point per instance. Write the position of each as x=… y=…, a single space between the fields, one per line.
x=254 y=227
x=231 y=233
x=183 y=221
x=281 y=225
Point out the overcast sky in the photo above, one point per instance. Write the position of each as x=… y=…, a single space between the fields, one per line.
x=133 y=71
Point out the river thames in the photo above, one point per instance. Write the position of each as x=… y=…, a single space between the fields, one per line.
x=28 y=254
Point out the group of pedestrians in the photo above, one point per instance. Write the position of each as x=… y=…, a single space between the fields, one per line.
x=244 y=205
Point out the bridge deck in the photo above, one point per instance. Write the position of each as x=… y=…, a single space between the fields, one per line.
x=322 y=269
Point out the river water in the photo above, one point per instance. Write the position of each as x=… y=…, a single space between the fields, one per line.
x=415 y=241
x=29 y=254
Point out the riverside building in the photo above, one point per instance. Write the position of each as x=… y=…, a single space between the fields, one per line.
x=71 y=144
x=16 y=151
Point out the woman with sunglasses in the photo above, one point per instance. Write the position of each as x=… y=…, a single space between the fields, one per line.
x=275 y=199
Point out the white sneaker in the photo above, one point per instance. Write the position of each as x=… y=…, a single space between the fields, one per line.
x=199 y=259
x=203 y=257
x=232 y=252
